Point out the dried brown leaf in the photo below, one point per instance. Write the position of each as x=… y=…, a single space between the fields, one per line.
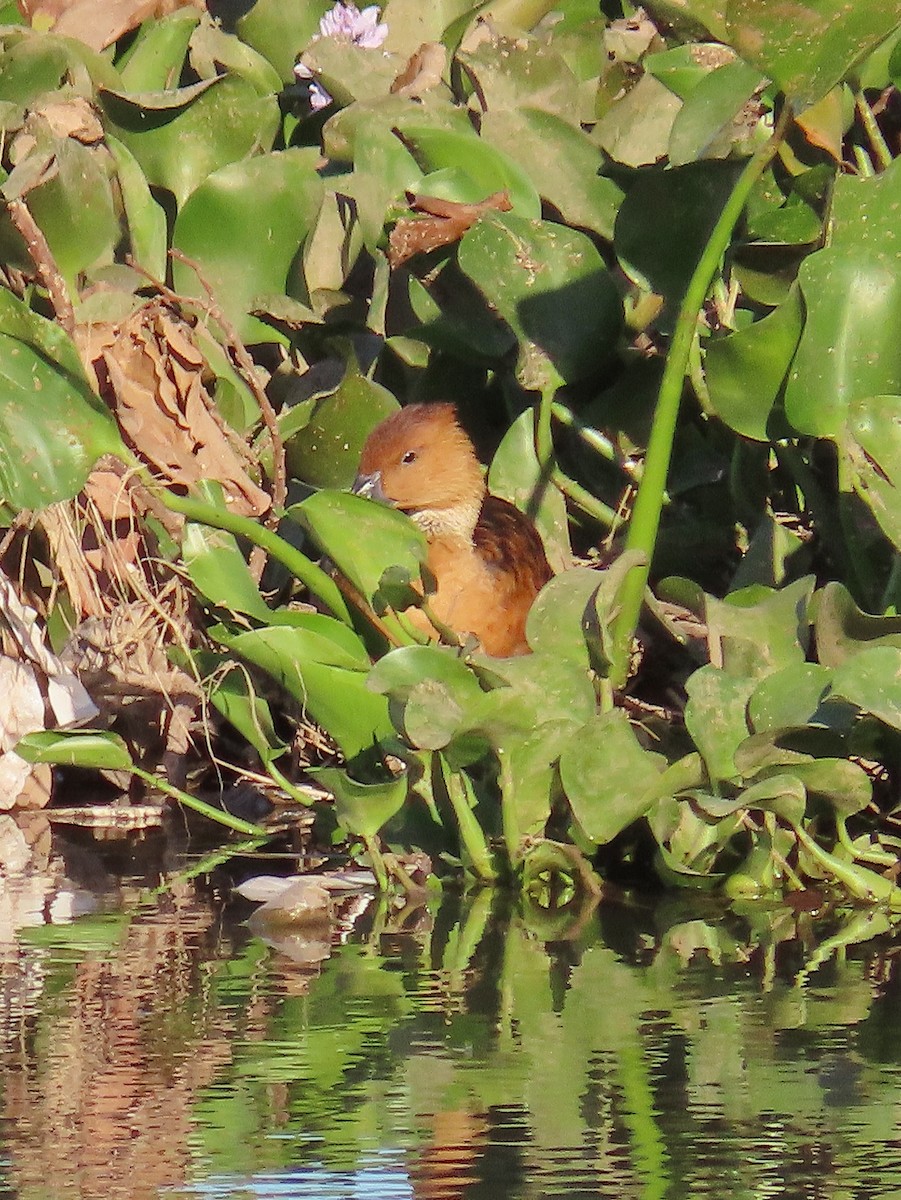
x=156 y=376
x=423 y=71
x=97 y=23
x=446 y=222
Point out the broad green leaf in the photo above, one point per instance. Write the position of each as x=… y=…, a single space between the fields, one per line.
x=326 y=452
x=665 y=222
x=559 y=619
x=516 y=475
x=746 y=370
x=349 y=72
x=243 y=227
x=847 y=351
x=808 y=47
x=608 y=778
x=145 y=218
x=362 y=808
x=562 y=163
x=410 y=22
x=179 y=138
x=715 y=716
x=872 y=681
x=211 y=49
x=843 y=630
x=97 y=749
x=325 y=675
x=432 y=696
x=219 y=571
x=362 y=538
x=232 y=694
x=761 y=630
x=511 y=73
x=871 y=446
x=33 y=64
x=491 y=169
x=705 y=126
x=280 y=31
x=784 y=795
x=845 y=785
x=793 y=696
x=74 y=210
x=384 y=169
x=635 y=131
x=154 y=60
x=455 y=317
x=551 y=286
x=52 y=426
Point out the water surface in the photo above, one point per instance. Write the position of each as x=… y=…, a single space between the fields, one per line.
x=457 y=1050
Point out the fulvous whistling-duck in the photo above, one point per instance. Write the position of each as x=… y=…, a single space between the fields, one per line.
x=486 y=556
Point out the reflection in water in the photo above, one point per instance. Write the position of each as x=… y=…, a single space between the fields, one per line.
x=655 y=1052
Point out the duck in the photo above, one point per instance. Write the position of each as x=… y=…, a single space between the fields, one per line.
x=487 y=558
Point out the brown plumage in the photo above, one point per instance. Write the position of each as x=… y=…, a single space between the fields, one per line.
x=487 y=558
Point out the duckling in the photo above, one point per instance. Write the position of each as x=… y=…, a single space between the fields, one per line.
x=486 y=556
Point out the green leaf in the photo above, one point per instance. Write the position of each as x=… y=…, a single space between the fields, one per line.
x=243 y=227
x=213 y=49
x=872 y=681
x=847 y=351
x=871 y=447
x=93 y=748
x=219 y=571
x=609 y=780
x=233 y=696
x=550 y=285
x=661 y=255
x=155 y=58
x=433 y=697
x=562 y=163
x=74 y=210
x=715 y=716
x=180 y=137
x=635 y=131
x=512 y=73
x=558 y=620
x=145 y=218
x=323 y=665
x=280 y=31
x=793 y=696
x=746 y=370
x=52 y=426
x=705 y=125
x=361 y=537
x=362 y=808
x=843 y=630
x=489 y=168
x=326 y=452
x=807 y=48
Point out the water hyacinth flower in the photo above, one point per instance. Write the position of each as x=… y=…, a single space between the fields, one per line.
x=343 y=23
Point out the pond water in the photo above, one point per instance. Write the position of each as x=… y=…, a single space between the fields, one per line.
x=458 y=1050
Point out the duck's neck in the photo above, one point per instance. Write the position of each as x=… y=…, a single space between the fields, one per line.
x=456 y=521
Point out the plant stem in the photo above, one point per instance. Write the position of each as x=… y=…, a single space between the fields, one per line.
x=879 y=150
x=645 y=521
x=459 y=792
x=301 y=567
x=200 y=806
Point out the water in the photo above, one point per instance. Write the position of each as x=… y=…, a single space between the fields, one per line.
x=648 y=1050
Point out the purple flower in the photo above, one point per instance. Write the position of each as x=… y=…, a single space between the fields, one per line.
x=318 y=97
x=346 y=23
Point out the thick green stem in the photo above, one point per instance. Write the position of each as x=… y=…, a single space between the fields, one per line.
x=459 y=792
x=301 y=567
x=219 y=815
x=645 y=521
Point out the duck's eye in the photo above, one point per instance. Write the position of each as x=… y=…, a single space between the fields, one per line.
x=409 y=457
